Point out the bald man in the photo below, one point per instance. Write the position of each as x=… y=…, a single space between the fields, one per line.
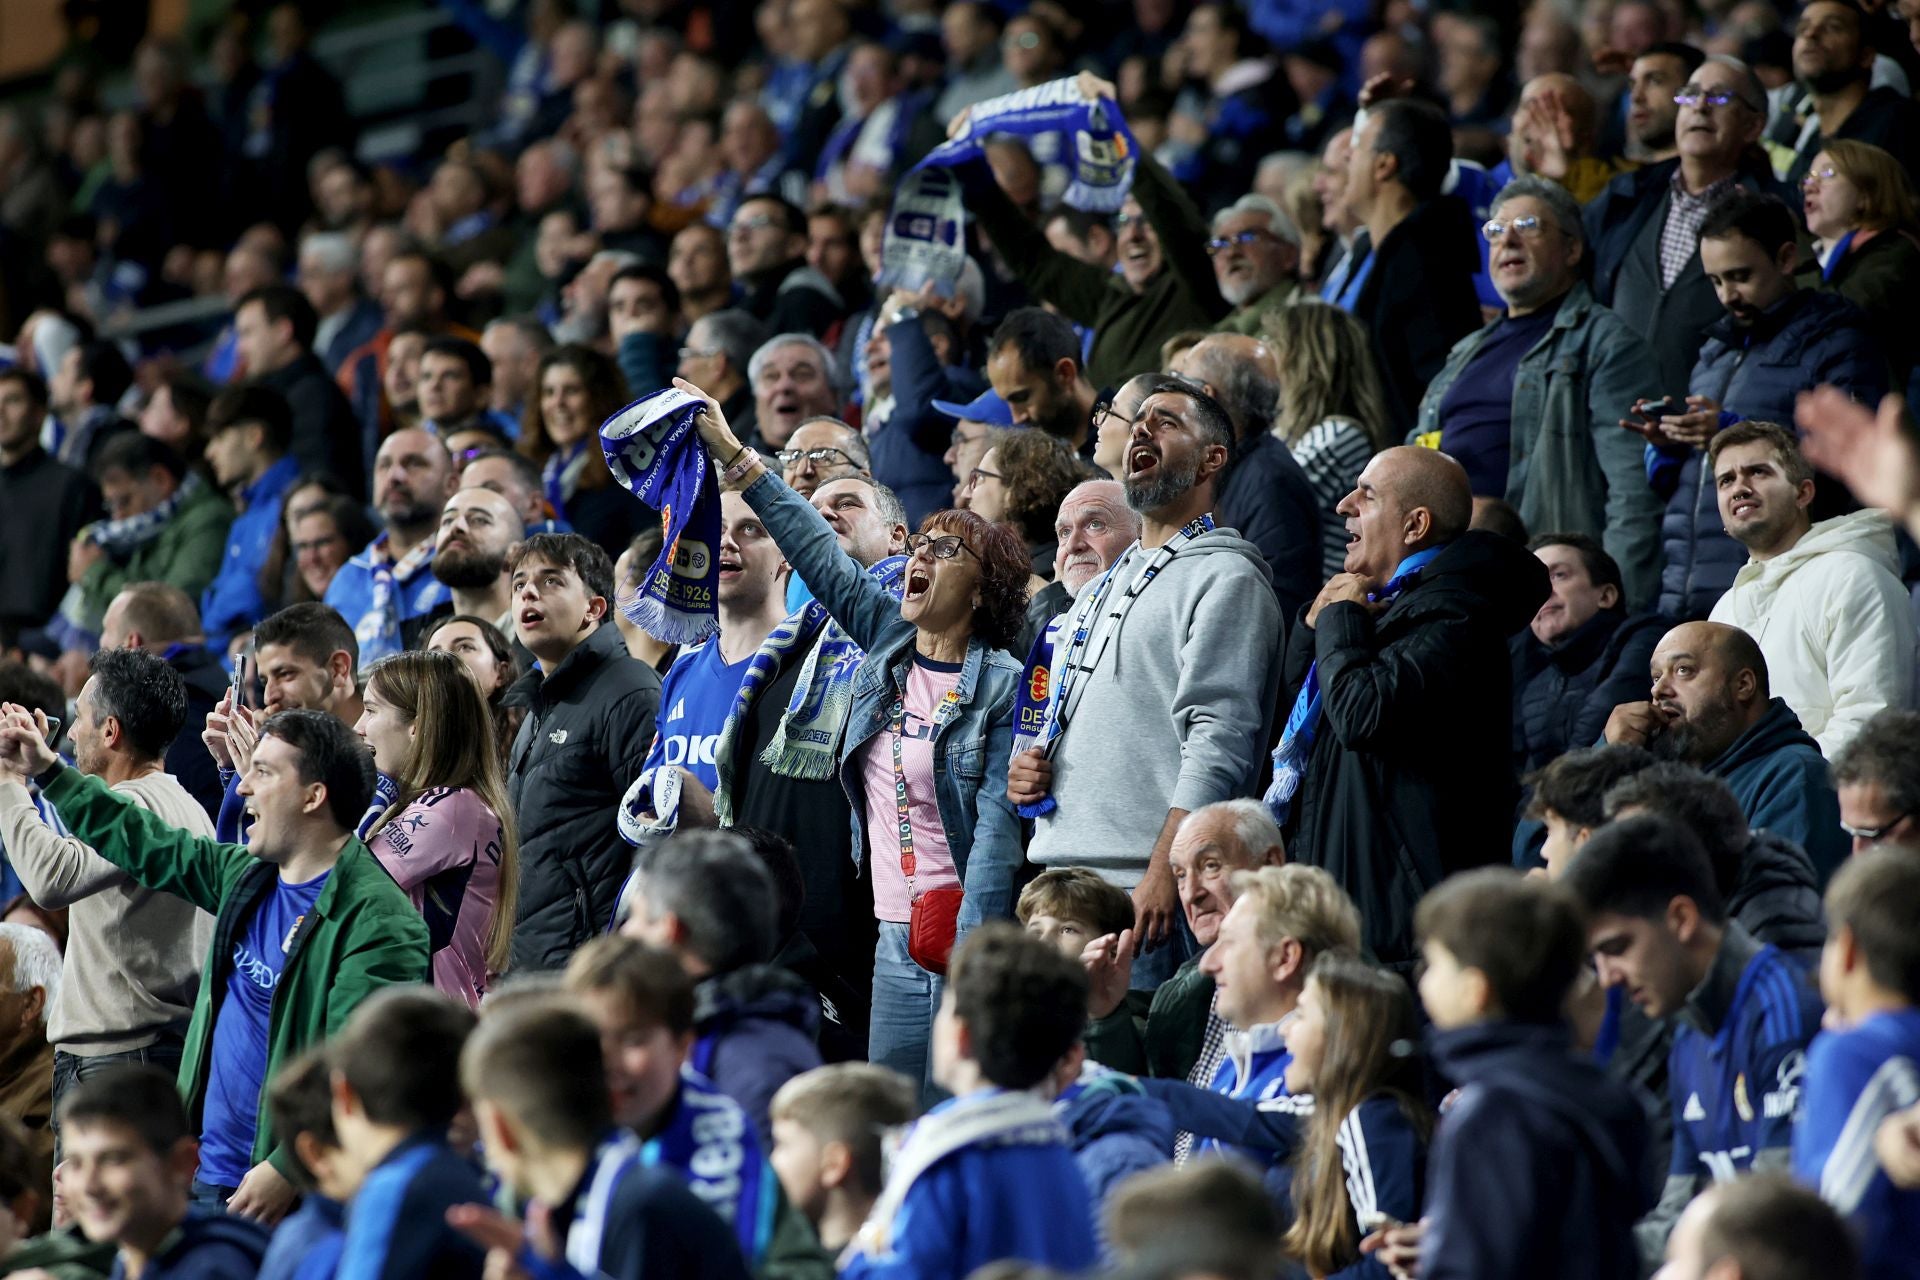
x=1711 y=708
x=1265 y=495
x=1395 y=768
x=1093 y=527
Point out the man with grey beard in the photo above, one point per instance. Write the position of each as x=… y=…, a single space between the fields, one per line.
x=1173 y=651
x=1094 y=526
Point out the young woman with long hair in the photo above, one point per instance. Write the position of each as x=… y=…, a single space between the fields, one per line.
x=490 y=661
x=1364 y=1150
x=447 y=838
x=575 y=390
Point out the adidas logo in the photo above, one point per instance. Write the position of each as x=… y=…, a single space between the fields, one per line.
x=1693 y=1110
x=679 y=709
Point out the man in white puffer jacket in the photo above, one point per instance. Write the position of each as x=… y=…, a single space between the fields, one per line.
x=1823 y=600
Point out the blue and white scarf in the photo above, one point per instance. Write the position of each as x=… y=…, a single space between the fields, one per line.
x=1303 y=721
x=653 y=449
x=709 y=1141
x=924 y=240
x=378 y=629
x=121 y=538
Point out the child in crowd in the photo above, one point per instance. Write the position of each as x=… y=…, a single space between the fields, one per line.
x=1068 y=907
x=1867 y=1064
x=306 y=1245
x=393 y=1064
x=534 y=1074
x=1210 y=1217
x=829 y=1128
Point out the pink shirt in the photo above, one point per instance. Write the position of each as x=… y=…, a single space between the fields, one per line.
x=928 y=684
x=444 y=850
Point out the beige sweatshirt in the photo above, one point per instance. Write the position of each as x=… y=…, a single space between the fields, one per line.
x=133 y=955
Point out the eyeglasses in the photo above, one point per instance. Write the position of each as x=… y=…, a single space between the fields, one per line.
x=698 y=353
x=1025 y=40
x=1101 y=412
x=1220 y=244
x=944 y=547
x=1816 y=177
x=315 y=544
x=818 y=457
x=1527 y=228
x=975 y=476
x=961 y=439
x=1874 y=835
x=1121 y=221
x=1691 y=97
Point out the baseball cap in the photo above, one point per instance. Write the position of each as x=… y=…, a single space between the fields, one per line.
x=987 y=407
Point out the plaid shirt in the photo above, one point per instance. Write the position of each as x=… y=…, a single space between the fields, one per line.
x=1213 y=1049
x=1680 y=237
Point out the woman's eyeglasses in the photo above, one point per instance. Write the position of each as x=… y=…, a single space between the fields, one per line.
x=1817 y=177
x=942 y=546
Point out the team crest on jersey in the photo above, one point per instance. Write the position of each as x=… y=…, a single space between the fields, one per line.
x=1740 y=1102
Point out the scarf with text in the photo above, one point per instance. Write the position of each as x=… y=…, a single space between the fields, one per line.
x=654 y=450
x=708 y=1140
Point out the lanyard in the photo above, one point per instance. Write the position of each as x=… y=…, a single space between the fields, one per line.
x=948 y=705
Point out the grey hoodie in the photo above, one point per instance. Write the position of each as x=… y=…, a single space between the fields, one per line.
x=1177 y=713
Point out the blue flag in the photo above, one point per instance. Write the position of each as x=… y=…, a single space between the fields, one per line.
x=654 y=450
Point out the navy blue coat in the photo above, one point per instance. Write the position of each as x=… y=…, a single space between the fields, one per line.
x=755 y=1029
x=1776 y=771
x=1563 y=694
x=1804 y=340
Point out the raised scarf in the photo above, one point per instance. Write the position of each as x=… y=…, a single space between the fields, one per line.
x=653 y=449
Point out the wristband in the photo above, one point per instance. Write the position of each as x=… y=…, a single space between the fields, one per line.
x=742 y=463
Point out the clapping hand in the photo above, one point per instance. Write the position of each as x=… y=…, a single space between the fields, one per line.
x=1874 y=454
x=23 y=742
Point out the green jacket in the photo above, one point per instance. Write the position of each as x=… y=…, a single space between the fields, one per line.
x=186 y=553
x=1248 y=318
x=1573 y=468
x=63 y=1253
x=1128 y=327
x=362 y=934
x=1170 y=1042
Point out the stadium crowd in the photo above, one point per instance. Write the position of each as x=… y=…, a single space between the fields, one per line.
x=1316 y=678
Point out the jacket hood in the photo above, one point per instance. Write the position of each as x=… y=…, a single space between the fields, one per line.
x=1778 y=897
x=1775 y=731
x=1865 y=533
x=201 y=671
x=1111 y=1104
x=1225 y=541
x=1533 y=1058
x=759 y=992
x=1496 y=575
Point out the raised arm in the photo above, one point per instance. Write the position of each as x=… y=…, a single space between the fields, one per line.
x=57 y=870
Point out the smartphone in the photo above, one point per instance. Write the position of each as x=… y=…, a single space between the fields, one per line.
x=53 y=731
x=242 y=675
x=1671 y=407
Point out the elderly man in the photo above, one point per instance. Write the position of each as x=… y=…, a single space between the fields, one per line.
x=792 y=378
x=328 y=277
x=1711 y=707
x=717 y=355
x=1408 y=645
x=1094 y=526
x=820 y=449
x=29 y=985
x=1531 y=404
x=1256 y=257
x=1878 y=777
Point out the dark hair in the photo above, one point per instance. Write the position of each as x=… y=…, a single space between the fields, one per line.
x=1761 y=218
x=1886 y=751
x=540 y=1063
x=135 y=454
x=1039 y=337
x=143 y=693
x=1417 y=136
x=1024 y=1003
x=776 y=853
x=1702 y=804
x=1602 y=569
x=1876 y=895
x=479 y=368
x=23 y=686
x=1785 y=445
x=790 y=213
x=141 y=1098
x=284 y=302
x=1497 y=516
x=313 y=630
x=1526 y=935
x=1775 y=1229
x=720 y=891
x=253 y=403
x=1575 y=785
x=659 y=279
x=1210 y=416
x=1004 y=569
x=1039 y=471
x=1080 y=223
x=300 y=1100
x=34 y=384
x=606 y=391
x=331 y=755
x=1636 y=866
x=1690 y=57
x=398 y=1050
x=102 y=364
x=655 y=987
x=567 y=551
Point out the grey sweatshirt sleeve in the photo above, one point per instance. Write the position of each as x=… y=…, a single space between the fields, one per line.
x=1223 y=695
x=56 y=870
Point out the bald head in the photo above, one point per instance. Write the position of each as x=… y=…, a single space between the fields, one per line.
x=1730 y=647
x=1709 y=687
x=1094 y=526
x=1406 y=500
x=1238 y=371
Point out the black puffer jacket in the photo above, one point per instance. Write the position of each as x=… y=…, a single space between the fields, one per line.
x=1563 y=694
x=187 y=757
x=1778 y=897
x=582 y=744
x=1411 y=776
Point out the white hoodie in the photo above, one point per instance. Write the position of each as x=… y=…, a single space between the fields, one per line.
x=1834 y=623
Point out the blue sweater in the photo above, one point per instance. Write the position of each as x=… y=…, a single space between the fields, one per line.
x=206 y=1247
x=397 y=1225
x=233 y=600
x=306 y=1245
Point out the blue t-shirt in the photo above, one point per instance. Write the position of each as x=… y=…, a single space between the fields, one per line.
x=695 y=698
x=1855 y=1079
x=239 y=1051
x=1476 y=413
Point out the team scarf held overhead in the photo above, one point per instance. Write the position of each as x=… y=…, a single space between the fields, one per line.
x=654 y=450
x=924 y=240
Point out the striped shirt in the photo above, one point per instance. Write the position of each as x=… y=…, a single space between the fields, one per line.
x=1680 y=235
x=1333 y=453
x=1213 y=1048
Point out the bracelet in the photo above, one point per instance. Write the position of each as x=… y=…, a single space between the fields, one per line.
x=735 y=458
x=742 y=463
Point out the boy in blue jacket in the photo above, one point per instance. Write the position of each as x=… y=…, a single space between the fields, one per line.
x=129 y=1162
x=989 y=1174
x=1868 y=1065
x=392 y=1066
x=1537 y=1170
x=306 y=1244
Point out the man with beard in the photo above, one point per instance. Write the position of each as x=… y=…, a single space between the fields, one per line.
x=1256 y=252
x=1172 y=652
x=477 y=526
x=1833 y=59
x=1034 y=365
x=1711 y=709
x=388 y=590
x=792 y=378
x=1652 y=114
x=1094 y=526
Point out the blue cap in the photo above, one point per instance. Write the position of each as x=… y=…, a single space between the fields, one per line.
x=987 y=407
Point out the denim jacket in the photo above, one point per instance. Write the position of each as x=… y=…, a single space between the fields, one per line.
x=971 y=751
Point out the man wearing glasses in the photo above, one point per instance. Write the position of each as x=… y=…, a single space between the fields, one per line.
x=1531 y=404
x=1643 y=230
x=1256 y=254
x=1878 y=778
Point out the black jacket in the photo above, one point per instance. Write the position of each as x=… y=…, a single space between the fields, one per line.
x=43 y=503
x=1419 y=300
x=1411 y=775
x=1777 y=898
x=326 y=435
x=792 y=298
x=1564 y=693
x=188 y=759
x=755 y=1029
x=581 y=746
x=1267 y=498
